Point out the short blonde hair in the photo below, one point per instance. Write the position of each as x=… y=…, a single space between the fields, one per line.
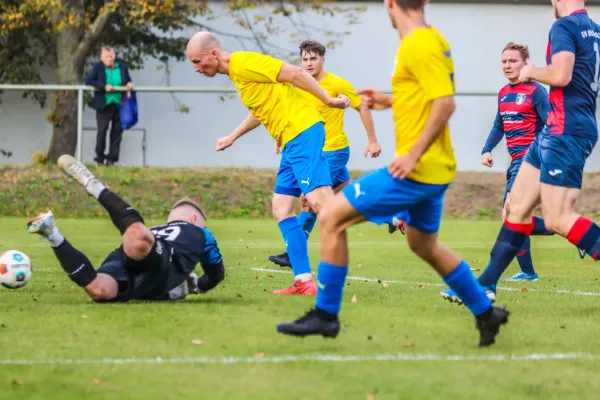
x=188 y=201
x=521 y=48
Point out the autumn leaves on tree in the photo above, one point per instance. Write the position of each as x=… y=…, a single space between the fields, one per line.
x=65 y=35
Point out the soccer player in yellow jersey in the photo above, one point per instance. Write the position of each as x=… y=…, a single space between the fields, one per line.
x=336 y=149
x=422 y=102
x=273 y=92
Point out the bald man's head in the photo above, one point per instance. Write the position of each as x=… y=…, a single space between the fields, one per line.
x=205 y=51
x=204 y=41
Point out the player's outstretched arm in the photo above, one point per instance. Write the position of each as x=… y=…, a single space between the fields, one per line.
x=249 y=123
x=367 y=121
x=302 y=79
x=375 y=99
x=213 y=275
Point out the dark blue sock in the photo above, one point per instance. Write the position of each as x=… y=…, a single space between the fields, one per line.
x=463 y=282
x=539 y=227
x=307 y=222
x=296 y=246
x=585 y=234
x=330 y=287
x=524 y=257
x=510 y=239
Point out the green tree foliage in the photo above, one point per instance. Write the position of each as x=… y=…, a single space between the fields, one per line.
x=66 y=35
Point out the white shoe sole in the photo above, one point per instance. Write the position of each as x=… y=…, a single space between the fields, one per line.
x=75 y=169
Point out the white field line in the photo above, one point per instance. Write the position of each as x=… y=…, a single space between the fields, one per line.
x=374 y=280
x=401 y=243
x=511 y=289
x=292 y=358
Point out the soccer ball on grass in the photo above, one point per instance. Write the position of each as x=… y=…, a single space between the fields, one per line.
x=15 y=269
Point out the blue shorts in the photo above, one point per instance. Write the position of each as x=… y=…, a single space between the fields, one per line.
x=511 y=174
x=303 y=167
x=560 y=158
x=378 y=196
x=337 y=161
x=402 y=215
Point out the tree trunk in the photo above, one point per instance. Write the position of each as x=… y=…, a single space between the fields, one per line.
x=64 y=115
x=64 y=133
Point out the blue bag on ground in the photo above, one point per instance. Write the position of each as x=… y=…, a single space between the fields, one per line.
x=129 y=110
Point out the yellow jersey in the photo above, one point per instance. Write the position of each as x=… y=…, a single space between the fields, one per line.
x=335 y=137
x=424 y=71
x=283 y=109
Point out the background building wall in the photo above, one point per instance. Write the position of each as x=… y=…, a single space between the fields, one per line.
x=477 y=34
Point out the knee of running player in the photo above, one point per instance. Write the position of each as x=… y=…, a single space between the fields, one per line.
x=283 y=206
x=429 y=249
x=517 y=211
x=422 y=245
x=103 y=288
x=304 y=204
x=319 y=197
x=138 y=241
x=331 y=218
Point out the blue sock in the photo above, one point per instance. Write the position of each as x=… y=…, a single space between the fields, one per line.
x=330 y=287
x=295 y=242
x=539 y=227
x=524 y=257
x=585 y=234
x=510 y=239
x=307 y=222
x=463 y=282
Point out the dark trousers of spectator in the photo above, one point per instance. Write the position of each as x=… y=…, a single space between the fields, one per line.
x=111 y=114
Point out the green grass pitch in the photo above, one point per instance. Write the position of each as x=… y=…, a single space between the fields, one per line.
x=398 y=341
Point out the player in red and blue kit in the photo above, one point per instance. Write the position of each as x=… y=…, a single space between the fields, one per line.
x=522 y=112
x=552 y=170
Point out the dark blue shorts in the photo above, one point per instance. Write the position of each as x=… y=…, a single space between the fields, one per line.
x=560 y=158
x=148 y=279
x=511 y=175
x=303 y=167
x=378 y=196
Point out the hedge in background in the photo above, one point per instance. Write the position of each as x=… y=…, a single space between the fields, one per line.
x=223 y=192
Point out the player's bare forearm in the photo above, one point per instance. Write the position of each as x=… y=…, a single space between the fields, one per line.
x=249 y=123
x=309 y=84
x=549 y=76
x=557 y=74
x=367 y=120
x=375 y=99
x=302 y=80
x=441 y=111
x=388 y=100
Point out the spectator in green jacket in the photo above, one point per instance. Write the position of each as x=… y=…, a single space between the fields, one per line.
x=105 y=75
